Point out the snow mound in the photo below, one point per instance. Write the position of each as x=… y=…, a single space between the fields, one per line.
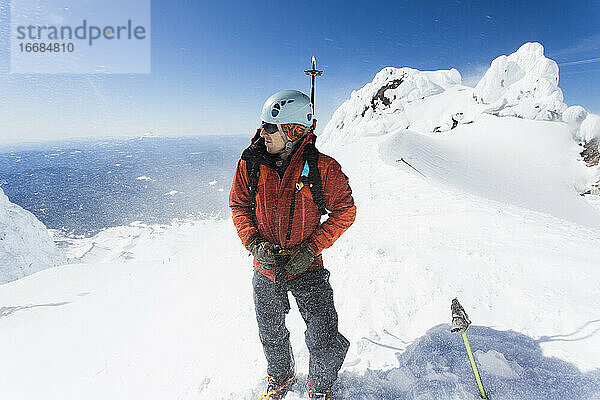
x=523 y=84
x=584 y=127
x=435 y=366
x=574 y=116
x=590 y=128
x=25 y=245
x=496 y=364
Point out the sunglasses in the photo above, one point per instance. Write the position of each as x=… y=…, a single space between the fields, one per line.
x=269 y=128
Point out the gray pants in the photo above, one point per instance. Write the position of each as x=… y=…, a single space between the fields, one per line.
x=314 y=296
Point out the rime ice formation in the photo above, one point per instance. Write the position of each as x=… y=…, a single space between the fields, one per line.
x=25 y=245
x=393 y=100
x=523 y=84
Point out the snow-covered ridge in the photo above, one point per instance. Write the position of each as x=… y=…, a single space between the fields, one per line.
x=523 y=84
x=25 y=244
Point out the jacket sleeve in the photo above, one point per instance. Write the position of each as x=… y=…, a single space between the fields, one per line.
x=338 y=200
x=240 y=203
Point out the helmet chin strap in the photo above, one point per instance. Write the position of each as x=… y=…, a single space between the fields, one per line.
x=288 y=143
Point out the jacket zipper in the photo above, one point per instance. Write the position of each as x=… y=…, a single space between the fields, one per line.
x=291 y=219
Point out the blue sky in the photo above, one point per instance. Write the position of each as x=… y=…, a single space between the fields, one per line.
x=214 y=63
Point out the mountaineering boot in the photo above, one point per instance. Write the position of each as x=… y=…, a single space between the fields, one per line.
x=320 y=394
x=277 y=389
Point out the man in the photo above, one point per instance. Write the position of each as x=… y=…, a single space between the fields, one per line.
x=281 y=188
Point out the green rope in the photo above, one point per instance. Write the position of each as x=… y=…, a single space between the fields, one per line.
x=474 y=366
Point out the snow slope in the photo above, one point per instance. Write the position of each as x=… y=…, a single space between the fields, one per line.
x=174 y=318
x=492 y=217
x=25 y=245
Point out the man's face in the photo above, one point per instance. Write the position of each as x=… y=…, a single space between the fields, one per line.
x=274 y=141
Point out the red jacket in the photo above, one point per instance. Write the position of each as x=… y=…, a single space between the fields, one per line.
x=273 y=202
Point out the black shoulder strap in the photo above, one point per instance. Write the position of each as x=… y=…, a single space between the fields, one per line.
x=253 y=170
x=252 y=166
x=311 y=156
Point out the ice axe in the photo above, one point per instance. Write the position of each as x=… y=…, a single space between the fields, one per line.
x=314 y=72
x=460 y=323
